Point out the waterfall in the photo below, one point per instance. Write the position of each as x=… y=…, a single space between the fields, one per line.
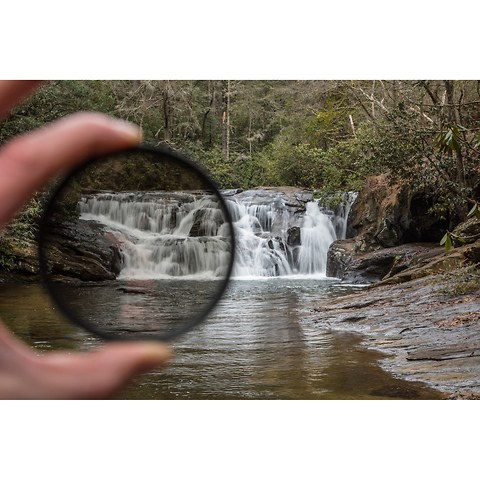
x=164 y=235
x=282 y=234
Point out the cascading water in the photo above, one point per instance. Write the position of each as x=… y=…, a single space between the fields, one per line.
x=283 y=234
x=163 y=235
x=278 y=233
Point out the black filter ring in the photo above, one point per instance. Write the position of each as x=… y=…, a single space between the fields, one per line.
x=64 y=306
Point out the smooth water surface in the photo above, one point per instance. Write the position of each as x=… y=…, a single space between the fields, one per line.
x=259 y=343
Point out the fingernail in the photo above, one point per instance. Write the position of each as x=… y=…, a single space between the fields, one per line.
x=156 y=353
x=129 y=129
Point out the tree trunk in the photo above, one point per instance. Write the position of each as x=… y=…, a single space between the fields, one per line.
x=452 y=117
x=167 y=116
x=227 y=150
x=211 y=96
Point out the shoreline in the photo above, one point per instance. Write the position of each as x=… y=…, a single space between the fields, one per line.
x=426 y=335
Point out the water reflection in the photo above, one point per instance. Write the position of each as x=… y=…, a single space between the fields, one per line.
x=258 y=344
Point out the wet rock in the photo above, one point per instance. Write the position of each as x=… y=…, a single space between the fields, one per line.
x=339 y=258
x=293 y=237
x=343 y=262
x=415 y=326
x=80 y=250
x=204 y=223
x=447 y=352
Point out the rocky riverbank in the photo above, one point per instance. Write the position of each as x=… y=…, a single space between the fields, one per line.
x=413 y=310
x=429 y=332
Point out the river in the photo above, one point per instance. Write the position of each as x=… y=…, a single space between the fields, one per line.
x=259 y=343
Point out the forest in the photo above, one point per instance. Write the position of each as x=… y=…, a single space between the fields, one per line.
x=325 y=135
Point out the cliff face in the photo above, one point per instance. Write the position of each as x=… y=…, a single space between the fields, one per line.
x=393 y=231
x=383 y=216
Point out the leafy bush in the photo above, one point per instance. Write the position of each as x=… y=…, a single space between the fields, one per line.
x=19 y=233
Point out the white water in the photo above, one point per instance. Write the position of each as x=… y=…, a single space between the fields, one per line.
x=165 y=235
x=266 y=224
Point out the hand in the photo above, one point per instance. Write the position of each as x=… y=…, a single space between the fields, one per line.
x=26 y=163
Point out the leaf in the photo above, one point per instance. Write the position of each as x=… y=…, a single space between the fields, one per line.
x=456 y=237
x=447 y=241
x=474 y=211
x=449 y=139
x=448 y=244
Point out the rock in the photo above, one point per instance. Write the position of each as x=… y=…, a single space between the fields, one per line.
x=387 y=216
x=293 y=237
x=414 y=324
x=80 y=250
x=396 y=237
x=77 y=250
x=204 y=224
x=469 y=231
x=472 y=252
x=442 y=353
x=339 y=258
x=343 y=262
x=434 y=261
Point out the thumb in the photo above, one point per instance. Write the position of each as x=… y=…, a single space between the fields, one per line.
x=102 y=373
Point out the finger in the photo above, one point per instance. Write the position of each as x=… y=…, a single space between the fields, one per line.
x=102 y=373
x=28 y=161
x=78 y=375
x=13 y=91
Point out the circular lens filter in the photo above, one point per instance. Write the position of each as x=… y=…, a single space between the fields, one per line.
x=136 y=245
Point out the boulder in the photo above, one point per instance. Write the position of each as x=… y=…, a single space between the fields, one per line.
x=468 y=231
x=339 y=258
x=294 y=236
x=81 y=250
x=77 y=250
x=345 y=263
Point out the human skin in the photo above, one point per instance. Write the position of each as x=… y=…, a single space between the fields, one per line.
x=26 y=163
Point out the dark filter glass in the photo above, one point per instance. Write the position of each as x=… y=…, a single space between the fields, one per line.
x=138 y=245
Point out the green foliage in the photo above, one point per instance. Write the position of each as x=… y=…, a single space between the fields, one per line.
x=298 y=165
x=54 y=100
x=448 y=139
x=399 y=150
x=19 y=233
x=221 y=171
x=448 y=239
x=474 y=212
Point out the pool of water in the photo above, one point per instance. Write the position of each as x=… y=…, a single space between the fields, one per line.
x=259 y=343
